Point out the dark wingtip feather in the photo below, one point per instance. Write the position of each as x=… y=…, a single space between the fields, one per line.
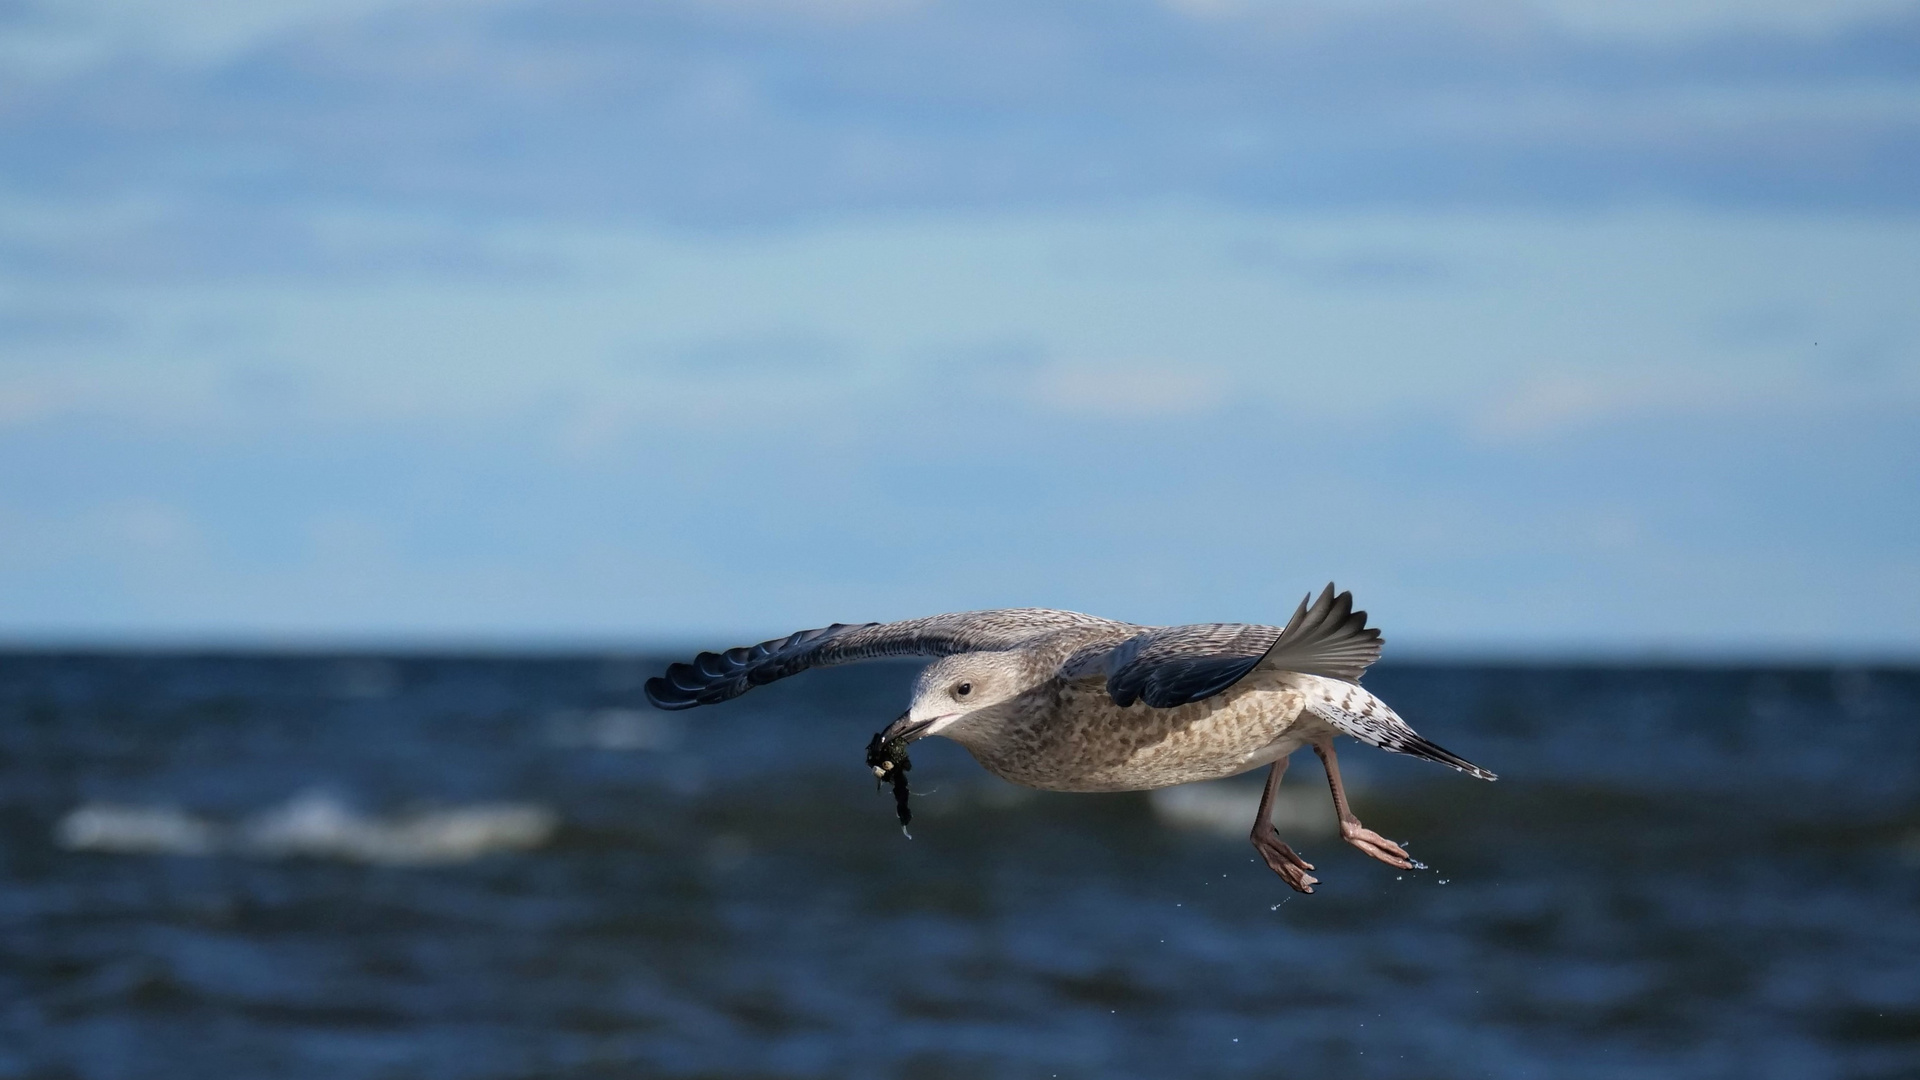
x=663 y=694
x=714 y=677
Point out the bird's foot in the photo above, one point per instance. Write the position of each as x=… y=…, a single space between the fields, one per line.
x=1283 y=860
x=1375 y=845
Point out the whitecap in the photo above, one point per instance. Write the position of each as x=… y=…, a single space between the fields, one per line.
x=1228 y=807
x=316 y=825
x=136 y=830
x=612 y=729
x=313 y=825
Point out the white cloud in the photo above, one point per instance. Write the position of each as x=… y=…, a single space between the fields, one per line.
x=56 y=37
x=1636 y=20
x=1555 y=404
x=833 y=10
x=1674 y=19
x=1129 y=390
x=150 y=525
x=129 y=536
x=21 y=403
x=1549 y=406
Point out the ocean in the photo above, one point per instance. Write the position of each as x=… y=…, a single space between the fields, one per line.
x=346 y=867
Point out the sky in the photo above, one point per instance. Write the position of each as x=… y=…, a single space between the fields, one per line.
x=1549 y=328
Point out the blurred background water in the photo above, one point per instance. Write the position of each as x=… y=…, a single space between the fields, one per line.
x=373 y=866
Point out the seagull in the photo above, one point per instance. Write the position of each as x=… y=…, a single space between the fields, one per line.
x=1062 y=701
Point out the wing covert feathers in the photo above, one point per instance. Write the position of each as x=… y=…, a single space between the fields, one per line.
x=1174 y=665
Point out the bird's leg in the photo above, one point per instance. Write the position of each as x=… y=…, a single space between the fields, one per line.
x=1280 y=858
x=1350 y=828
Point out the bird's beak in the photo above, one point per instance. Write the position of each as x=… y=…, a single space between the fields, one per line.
x=906 y=729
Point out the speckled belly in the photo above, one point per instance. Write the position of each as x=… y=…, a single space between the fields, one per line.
x=1077 y=739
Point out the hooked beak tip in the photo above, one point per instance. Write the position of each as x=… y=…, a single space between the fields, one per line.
x=906 y=729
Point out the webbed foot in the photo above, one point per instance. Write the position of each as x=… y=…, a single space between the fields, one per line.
x=1283 y=860
x=1375 y=845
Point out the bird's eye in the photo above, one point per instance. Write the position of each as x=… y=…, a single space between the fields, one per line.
x=963 y=689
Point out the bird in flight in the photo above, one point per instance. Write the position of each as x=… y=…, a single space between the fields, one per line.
x=1062 y=701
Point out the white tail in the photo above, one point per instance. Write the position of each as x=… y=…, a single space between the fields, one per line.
x=1358 y=713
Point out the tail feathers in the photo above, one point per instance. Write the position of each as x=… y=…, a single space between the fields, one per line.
x=1412 y=743
x=1328 y=638
x=1357 y=713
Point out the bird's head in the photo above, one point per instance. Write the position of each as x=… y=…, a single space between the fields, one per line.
x=954 y=688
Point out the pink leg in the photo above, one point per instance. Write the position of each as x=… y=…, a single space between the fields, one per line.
x=1350 y=828
x=1280 y=858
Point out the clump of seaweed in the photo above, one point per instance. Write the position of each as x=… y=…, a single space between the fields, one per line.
x=888 y=760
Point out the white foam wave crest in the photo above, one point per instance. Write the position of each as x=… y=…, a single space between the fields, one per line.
x=1228 y=807
x=313 y=825
x=612 y=729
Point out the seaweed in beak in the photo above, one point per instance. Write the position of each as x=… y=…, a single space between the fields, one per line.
x=887 y=757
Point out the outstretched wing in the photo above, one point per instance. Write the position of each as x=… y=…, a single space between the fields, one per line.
x=1175 y=665
x=715 y=677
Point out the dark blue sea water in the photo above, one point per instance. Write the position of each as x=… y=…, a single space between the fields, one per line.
x=360 y=867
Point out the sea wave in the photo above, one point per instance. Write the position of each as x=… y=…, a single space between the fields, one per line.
x=1228 y=807
x=312 y=824
x=612 y=729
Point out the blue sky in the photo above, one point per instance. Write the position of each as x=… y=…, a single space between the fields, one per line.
x=1546 y=327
